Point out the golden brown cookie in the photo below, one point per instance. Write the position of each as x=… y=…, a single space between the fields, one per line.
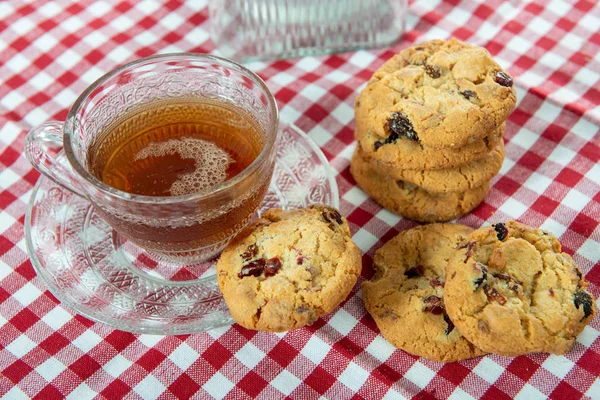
x=438 y=94
x=457 y=179
x=410 y=200
x=405 y=297
x=288 y=268
x=408 y=154
x=510 y=290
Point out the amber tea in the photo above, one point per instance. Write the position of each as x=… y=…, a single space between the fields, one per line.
x=179 y=148
x=176 y=149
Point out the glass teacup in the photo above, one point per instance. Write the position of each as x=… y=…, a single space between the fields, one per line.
x=191 y=227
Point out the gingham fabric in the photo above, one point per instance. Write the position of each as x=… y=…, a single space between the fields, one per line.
x=50 y=51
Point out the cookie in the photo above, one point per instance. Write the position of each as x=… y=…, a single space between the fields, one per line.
x=288 y=268
x=458 y=179
x=408 y=154
x=438 y=94
x=510 y=290
x=405 y=297
x=412 y=201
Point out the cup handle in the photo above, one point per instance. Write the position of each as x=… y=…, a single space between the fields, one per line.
x=42 y=146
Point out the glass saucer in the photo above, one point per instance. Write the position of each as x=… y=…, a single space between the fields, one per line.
x=92 y=269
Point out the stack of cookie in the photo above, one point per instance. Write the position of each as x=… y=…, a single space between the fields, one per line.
x=429 y=127
x=448 y=293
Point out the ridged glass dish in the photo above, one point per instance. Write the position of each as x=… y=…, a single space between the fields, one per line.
x=247 y=30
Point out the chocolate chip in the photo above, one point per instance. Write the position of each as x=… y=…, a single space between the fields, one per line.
x=330 y=215
x=448 y=321
x=501 y=230
x=583 y=298
x=468 y=94
x=551 y=291
x=400 y=126
x=250 y=253
x=503 y=79
x=493 y=295
x=377 y=145
x=479 y=281
x=437 y=282
x=253 y=268
x=414 y=272
x=578 y=272
x=272 y=266
x=432 y=71
x=434 y=305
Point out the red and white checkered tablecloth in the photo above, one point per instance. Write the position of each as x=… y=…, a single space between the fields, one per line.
x=50 y=51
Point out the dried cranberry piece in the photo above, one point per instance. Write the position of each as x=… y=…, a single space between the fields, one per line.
x=253 y=268
x=272 y=266
x=583 y=298
x=551 y=291
x=377 y=145
x=468 y=94
x=432 y=71
x=493 y=295
x=400 y=127
x=437 y=282
x=414 y=272
x=331 y=215
x=250 y=252
x=448 y=321
x=503 y=79
x=434 y=305
x=503 y=277
x=299 y=260
x=469 y=246
x=510 y=282
x=479 y=281
x=501 y=230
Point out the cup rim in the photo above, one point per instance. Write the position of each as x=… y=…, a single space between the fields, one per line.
x=207 y=193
